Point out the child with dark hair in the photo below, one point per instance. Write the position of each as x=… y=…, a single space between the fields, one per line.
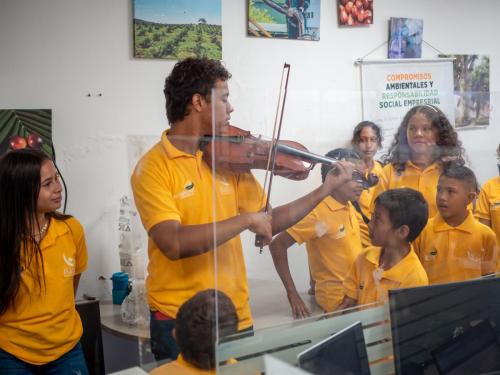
x=455 y=246
x=399 y=217
x=331 y=232
x=488 y=203
x=366 y=141
x=42 y=255
x=196 y=332
x=424 y=143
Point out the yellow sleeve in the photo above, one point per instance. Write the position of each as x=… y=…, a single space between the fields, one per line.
x=153 y=193
x=483 y=205
x=306 y=229
x=490 y=259
x=251 y=197
x=351 y=281
x=80 y=244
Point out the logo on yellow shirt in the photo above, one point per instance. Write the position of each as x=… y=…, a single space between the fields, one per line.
x=341 y=233
x=431 y=255
x=361 y=285
x=69 y=269
x=187 y=191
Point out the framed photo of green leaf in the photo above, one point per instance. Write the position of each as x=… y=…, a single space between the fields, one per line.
x=26 y=128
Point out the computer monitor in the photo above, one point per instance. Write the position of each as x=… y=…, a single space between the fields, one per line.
x=342 y=353
x=476 y=351
x=426 y=322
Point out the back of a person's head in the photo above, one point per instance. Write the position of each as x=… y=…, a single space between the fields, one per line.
x=196 y=327
x=405 y=207
x=461 y=173
x=338 y=154
x=188 y=77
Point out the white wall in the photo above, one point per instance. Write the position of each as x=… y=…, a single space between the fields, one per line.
x=54 y=52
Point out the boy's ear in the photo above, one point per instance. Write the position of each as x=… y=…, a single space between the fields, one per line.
x=198 y=102
x=403 y=232
x=471 y=195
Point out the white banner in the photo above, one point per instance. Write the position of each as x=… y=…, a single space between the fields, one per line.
x=391 y=87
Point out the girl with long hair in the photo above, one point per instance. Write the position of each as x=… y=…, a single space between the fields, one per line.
x=42 y=254
x=423 y=144
x=366 y=141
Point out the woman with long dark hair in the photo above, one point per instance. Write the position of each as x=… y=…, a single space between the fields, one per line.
x=42 y=254
x=423 y=144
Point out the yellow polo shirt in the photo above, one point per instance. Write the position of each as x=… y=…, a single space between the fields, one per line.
x=169 y=184
x=332 y=237
x=366 y=196
x=367 y=283
x=44 y=325
x=459 y=253
x=413 y=177
x=488 y=204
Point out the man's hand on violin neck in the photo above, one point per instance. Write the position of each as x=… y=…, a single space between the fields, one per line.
x=339 y=175
x=260 y=224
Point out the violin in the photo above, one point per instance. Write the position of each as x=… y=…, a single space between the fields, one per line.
x=238 y=151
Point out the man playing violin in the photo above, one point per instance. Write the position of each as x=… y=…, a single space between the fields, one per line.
x=188 y=211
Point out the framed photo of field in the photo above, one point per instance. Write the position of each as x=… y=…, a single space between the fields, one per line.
x=177 y=29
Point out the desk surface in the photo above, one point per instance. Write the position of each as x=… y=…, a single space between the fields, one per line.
x=268 y=302
x=111 y=321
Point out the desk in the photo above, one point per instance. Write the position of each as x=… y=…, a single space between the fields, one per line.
x=111 y=322
x=268 y=302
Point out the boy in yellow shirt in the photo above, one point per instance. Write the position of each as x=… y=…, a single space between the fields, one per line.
x=455 y=246
x=488 y=203
x=399 y=217
x=331 y=232
x=195 y=333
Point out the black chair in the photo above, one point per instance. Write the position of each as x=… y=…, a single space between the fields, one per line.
x=91 y=339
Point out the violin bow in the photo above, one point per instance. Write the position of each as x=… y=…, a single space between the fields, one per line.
x=278 y=121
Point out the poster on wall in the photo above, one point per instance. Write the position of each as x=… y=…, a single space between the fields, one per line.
x=392 y=87
x=26 y=128
x=286 y=19
x=355 y=12
x=177 y=29
x=405 y=38
x=471 y=77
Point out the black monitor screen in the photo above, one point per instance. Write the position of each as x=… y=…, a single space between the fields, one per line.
x=431 y=325
x=342 y=353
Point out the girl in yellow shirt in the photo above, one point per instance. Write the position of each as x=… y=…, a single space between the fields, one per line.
x=41 y=258
x=366 y=141
x=423 y=143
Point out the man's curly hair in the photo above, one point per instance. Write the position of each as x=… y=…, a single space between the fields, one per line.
x=190 y=76
x=448 y=146
x=196 y=325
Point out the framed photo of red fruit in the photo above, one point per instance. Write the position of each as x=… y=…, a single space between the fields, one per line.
x=354 y=13
x=26 y=128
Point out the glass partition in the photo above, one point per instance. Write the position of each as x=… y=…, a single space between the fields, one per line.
x=317 y=277
x=332 y=209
